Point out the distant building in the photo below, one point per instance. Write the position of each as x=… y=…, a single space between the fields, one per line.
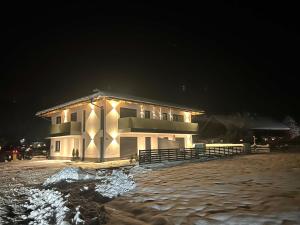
x=107 y=126
x=239 y=128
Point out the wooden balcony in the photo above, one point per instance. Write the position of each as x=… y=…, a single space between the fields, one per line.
x=63 y=129
x=133 y=124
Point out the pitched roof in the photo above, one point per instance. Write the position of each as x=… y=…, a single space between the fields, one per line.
x=102 y=94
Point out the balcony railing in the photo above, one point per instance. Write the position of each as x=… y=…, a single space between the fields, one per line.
x=133 y=124
x=69 y=128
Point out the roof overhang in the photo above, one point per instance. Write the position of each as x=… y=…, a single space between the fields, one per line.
x=107 y=95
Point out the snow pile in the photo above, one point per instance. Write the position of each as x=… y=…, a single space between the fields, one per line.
x=69 y=174
x=114 y=183
x=45 y=206
x=77 y=218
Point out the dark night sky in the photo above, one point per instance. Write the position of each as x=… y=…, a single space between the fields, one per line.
x=231 y=57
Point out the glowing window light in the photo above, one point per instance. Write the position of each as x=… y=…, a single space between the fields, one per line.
x=142 y=113
x=170 y=113
x=153 y=113
x=187 y=117
x=65 y=115
x=160 y=115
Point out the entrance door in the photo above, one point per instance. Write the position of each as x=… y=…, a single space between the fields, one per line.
x=128 y=147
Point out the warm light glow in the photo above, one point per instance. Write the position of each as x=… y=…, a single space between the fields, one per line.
x=114 y=142
x=92 y=106
x=92 y=145
x=170 y=113
x=153 y=113
x=160 y=115
x=92 y=134
x=189 y=141
x=114 y=134
x=65 y=115
x=113 y=103
x=142 y=112
x=187 y=117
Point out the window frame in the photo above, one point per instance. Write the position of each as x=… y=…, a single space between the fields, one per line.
x=164 y=116
x=57 y=146
x=72 y=114
x=58 y=120
x=147 y=112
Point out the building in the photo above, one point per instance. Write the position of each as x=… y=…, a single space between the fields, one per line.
x=239 y=128
x=108 y=126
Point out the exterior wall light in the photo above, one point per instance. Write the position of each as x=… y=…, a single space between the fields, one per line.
x=114 y=104
x=170 y=113
x=153 y=113
x=65 y=115
x=142 y=113
x=160 y=115
x=187 y=117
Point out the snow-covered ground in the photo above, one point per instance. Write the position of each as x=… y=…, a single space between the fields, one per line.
x=252 y=189
x=46 y=205
x=114 y=183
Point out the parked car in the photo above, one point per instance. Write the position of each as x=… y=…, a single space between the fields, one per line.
x=10 y=152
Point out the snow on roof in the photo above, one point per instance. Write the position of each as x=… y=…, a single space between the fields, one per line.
x=102 y=94
x=265 y=124
x=253 y=123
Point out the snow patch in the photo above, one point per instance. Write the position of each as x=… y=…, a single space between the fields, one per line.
x=136 y=170
x=77 y=218
x=69 y=174
x=114 y=183
x=45 y=205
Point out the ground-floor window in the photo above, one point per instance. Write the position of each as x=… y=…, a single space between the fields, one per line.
x=57 y=146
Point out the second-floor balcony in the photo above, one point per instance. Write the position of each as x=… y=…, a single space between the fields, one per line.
x=133 y=124
x=63 y=129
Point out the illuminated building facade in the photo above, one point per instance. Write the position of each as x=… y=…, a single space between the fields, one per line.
x=106 y=126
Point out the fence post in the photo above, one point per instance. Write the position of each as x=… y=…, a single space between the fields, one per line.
x=159 y=153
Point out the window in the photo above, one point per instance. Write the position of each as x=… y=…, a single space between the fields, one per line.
x=74 y=117
x=126 y=112
x=178 y=118
x=165 y=116
x=58 y=120
x=57 y=146
x=147 y=114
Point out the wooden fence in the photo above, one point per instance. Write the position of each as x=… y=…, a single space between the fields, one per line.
x=160 y=155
